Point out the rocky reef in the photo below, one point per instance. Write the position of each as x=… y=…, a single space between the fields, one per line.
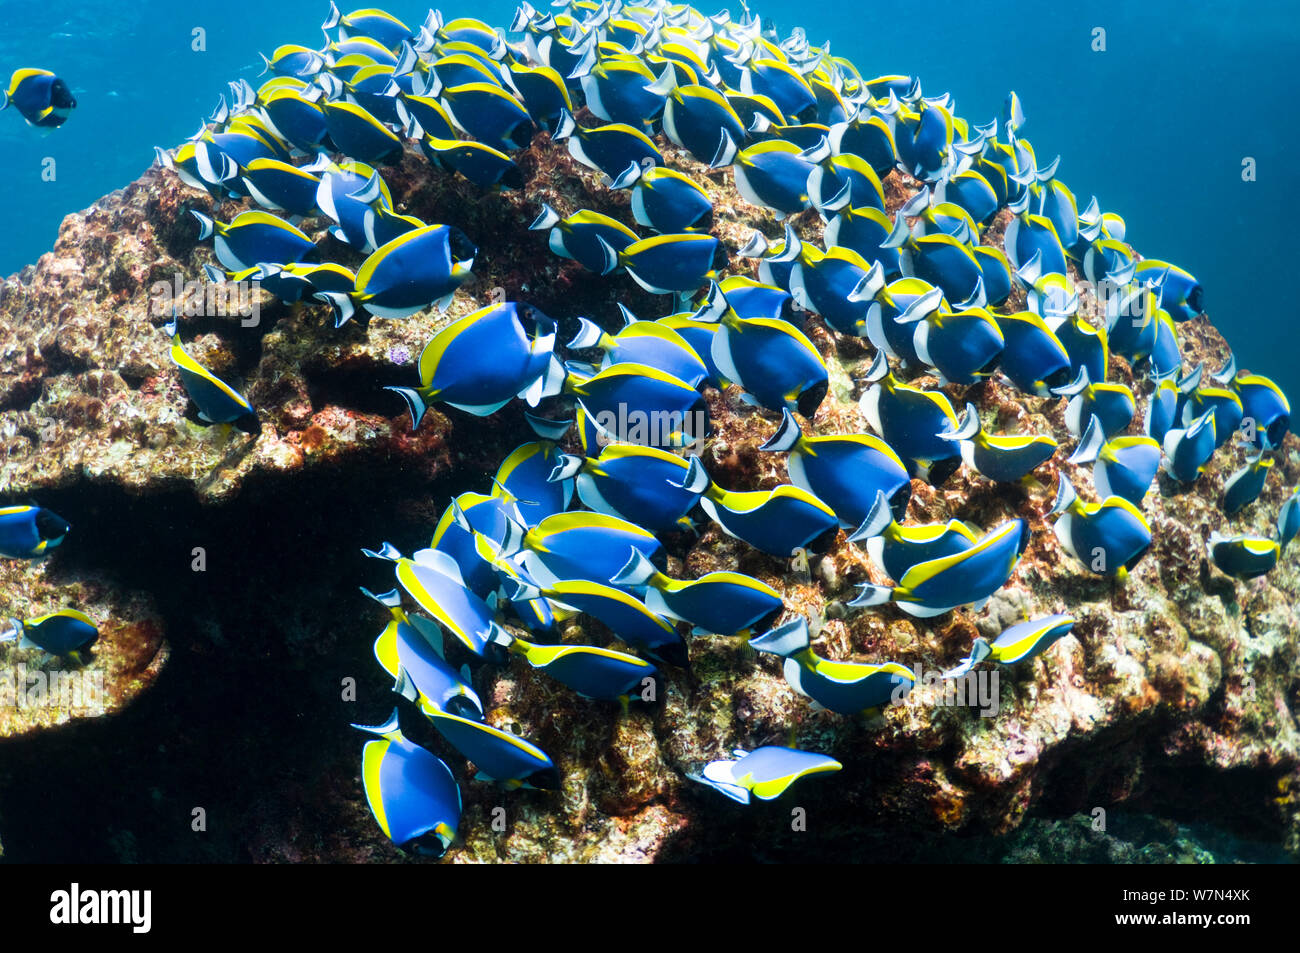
x=223 y=571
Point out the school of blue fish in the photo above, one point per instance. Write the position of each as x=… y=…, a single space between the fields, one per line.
x=626 y=89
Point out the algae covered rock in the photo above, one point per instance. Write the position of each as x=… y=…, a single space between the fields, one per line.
x=224 y=568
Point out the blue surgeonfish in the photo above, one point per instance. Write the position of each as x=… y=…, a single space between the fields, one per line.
x=575 y=237
x=722 y=603
x=778 y=521
x=967 y=577
x=541 y=90
x=1262 y=402
x=1016 y=643
x=420 y=268
x=963 y=346
x=1188 y=449
x=775 y=363
x=525 y=477
x=845 y=181
x=636 y=403
x=923 y=137
x=1112 y=404
x=1031 y=235
x=653 y=488
x=1180 y=293
x=434 y=581
x=868 y=136
x=774 y=175
x=1243 y=557
x=896 y=548
x=486 y=167
x=1109 y=538
x=1244 y=486
x=42 y=98
x=293 y=60
x=1088 y=346
x=65 y=632
x=591 y=671
x=281 y=187
x=375 y=24
x=865 y=231
x=843 y=687
x=823 y=283
x=644 y=342
x=845 y=471
x=355 y=132
x=1124 y=466
x=608 y=149
x=1223 y=403
x=1162 y=409
x=630 y=619
x=700 y=120
x=217 y=401
x=30 y=531
x=666 y=200
x=469 y=515
x=909 y=298
x=580 y=546
x=664 y=264
x=350 y=194
x=1033 y=357
x=489 y=114
x=750 y=299
x=411 y=792
x=699 y=335
x=254 y=237
x=943 y=261
x=622 y=89
x=452 y=369
x=764 y=773
x=1288 y=520
x=499 y=755
x=409 y=649
x=911 y=420
x=1003 y=458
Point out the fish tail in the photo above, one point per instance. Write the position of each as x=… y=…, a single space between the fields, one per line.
x=696 y=479
x=332 y=20
x=391 y=729
x=340 y=303
x=877 y=521
x=206 y=224
x=785 y=640
x=638 y=571
x=787 y=436
x=414 y=403
x=871 y=595
x=386 y=551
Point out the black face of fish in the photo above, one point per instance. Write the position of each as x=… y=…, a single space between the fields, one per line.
x=522 y=134
x=547 y=780
x=942 y=469
x=462 y=249
x=462 y=706
x=249 y=424
x=513 y=178
x=898 y=502
x=721 y=257
x=1196 y=300
x=674 y=653
x=61 y=97
x=822 y=543
x=51 y=525
x=426 y=845
x=811 y=399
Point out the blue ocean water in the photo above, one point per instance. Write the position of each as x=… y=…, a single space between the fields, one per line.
x=1157 y=125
